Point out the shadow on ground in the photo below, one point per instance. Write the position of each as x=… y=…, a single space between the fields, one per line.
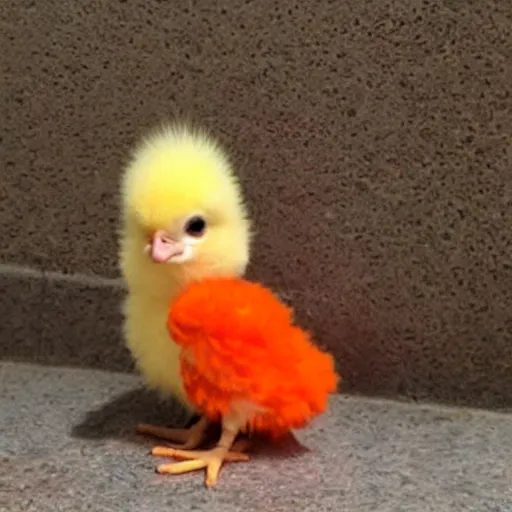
x=118 y=418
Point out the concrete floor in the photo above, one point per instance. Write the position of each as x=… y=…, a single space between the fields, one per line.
x=67 y=444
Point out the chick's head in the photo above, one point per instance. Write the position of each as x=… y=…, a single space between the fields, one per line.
x=183 y=199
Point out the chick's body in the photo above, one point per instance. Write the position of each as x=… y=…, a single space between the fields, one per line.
x=183 y=218
x=147 y=340
x=242 y=355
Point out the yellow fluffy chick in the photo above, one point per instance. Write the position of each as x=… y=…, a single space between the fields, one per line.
x=183 y=218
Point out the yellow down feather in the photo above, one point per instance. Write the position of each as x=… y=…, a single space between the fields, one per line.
x=174 y=173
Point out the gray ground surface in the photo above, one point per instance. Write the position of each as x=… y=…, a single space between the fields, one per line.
x=67 y=444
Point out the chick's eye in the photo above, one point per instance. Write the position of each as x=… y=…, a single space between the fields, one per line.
x=195 y=226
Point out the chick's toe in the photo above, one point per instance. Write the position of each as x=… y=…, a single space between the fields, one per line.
x=187 y=438
x=212 y=460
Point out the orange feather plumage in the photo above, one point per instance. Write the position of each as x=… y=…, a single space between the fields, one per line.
x=240 y=347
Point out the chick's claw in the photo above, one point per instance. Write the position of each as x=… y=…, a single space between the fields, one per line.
x=212 y=460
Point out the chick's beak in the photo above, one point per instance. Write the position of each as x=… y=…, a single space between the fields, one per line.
x=163 y=247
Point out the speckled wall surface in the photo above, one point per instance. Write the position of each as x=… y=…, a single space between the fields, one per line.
x=373 y=139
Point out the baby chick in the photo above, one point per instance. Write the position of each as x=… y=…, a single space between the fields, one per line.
x=245 y=364
x=183 y=219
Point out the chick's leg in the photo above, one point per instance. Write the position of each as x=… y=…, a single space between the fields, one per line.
x=188 y=438
x=212 y=459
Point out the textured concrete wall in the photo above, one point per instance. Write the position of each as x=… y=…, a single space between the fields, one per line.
x=373 y=139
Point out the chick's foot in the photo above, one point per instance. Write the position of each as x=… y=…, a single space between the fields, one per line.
x=242 y=445
x=186 y=438
x=212 y=460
